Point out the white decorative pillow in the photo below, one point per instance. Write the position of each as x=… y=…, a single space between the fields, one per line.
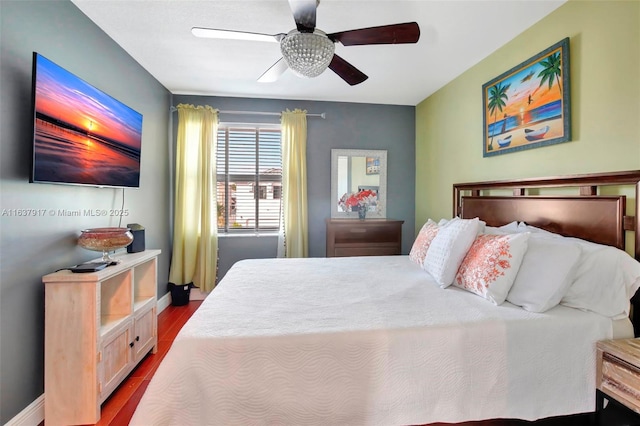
x=491 y=265
x=606 y=280
x=448 y=248
x=481 y=224
x=422 y=242
x=546 y=272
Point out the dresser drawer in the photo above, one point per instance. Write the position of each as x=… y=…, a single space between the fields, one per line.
x=369 y=237
x=620 y=379
x=366 y=234
x=618 y=371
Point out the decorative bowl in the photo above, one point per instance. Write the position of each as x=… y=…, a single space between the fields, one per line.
x=105 y=240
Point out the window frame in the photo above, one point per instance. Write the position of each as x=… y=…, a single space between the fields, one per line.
x=257 y=180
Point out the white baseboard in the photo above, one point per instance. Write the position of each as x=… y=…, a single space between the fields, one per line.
x=33 y=415
x=163 y=302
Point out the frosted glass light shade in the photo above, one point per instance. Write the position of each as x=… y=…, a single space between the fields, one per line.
x=307 y=54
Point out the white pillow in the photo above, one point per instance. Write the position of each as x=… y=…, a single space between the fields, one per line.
x=523 y=227
x=481 y=224
x=448 y=248
x=443 y=222
x=422 y=242
x=547 y=271
x=492 y=230
x=509 y=228
x=491 y=265
x=606 y=280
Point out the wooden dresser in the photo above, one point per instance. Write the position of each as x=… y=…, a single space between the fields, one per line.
x=368 y=237
x=618 y=372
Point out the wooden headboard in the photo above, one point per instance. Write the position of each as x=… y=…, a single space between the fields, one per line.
x=586 y=215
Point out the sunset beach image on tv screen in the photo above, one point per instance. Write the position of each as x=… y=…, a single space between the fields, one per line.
x=82 y=135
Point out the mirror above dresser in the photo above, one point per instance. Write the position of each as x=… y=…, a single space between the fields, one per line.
x=354 y=170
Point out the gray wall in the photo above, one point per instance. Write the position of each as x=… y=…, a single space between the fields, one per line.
x=347 y=125
x=34 y=246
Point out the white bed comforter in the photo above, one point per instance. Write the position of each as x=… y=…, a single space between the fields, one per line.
x=369 y=340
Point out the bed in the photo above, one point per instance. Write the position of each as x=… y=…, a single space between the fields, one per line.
x=377 y=340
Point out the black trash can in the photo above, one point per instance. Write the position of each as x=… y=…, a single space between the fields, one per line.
x=180 y=293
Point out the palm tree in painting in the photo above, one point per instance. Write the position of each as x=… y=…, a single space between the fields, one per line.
x=552 y=70
x=497 y=101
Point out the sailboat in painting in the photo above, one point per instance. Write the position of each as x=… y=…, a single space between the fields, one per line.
x=503 y=143
x=534 y=135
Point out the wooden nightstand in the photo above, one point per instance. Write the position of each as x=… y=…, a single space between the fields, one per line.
x=618 y=372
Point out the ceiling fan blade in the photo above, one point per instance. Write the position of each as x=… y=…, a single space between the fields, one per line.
x=235 y=35
x=304 y=13
x=274 y=72
x=346 y=71
x=386 y=34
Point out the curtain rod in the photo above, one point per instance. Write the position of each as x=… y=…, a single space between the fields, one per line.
x=321 y=115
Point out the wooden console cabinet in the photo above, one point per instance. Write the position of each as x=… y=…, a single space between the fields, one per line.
x=368 y=237
x=98 y=326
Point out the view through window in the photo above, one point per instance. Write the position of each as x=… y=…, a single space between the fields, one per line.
x=249 y=177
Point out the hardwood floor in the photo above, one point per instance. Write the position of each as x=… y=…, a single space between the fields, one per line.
x=119 y=408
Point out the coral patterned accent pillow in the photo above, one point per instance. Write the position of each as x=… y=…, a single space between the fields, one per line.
x=491 y=265
x=423 y=241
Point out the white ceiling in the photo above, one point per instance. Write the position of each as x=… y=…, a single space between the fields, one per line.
x=455 y=35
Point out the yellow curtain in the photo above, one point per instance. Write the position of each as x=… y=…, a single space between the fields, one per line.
x=195 y=228
x=294 y=183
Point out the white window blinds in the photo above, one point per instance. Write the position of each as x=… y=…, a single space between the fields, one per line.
x=249 y=176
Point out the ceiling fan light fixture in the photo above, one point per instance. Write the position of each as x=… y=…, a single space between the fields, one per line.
x=307 y=54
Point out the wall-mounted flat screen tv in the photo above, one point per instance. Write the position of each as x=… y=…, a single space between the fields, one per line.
x=82 y=136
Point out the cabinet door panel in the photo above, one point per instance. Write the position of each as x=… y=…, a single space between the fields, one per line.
x=145 y=333
x=117 y=360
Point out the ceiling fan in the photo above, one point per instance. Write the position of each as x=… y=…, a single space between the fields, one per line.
x=308 y=52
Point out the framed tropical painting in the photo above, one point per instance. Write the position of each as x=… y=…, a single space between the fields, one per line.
x=529 y=105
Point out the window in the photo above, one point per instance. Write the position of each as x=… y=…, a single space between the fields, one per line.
x=262 y=192
x=249 y=177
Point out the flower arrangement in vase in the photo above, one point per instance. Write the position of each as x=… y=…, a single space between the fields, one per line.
x=360 y=201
